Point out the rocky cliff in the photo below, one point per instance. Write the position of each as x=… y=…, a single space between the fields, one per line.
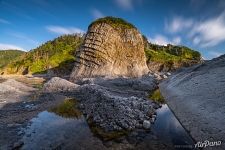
x=112 y=47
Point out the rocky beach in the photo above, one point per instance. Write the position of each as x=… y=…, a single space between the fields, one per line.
x=116 y=91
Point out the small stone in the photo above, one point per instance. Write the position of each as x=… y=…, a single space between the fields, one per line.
x=168 y=73
x=164 y=76
x=146 y=124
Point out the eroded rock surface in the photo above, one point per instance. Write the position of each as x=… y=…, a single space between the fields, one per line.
x=110 y=51
x=197 y=97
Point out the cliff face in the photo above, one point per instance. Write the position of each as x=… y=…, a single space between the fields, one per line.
x=110 y=51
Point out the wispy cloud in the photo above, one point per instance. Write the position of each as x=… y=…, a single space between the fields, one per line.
x=4 y=46
x=163 y=40
x=178 y=24
x=205 y=33
x=125 y=4
x=4 y=21
x=64 y=30
x=210 y=32
x=97 y=13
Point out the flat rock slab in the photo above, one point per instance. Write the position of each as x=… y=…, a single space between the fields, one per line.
x=197 y=97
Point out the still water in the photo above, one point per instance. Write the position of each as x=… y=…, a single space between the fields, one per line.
x=51 y=131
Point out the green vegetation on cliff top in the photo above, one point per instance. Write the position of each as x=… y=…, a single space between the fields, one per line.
x=7 y=56
x=114 y=22
x=169 y=53
x=57 y=53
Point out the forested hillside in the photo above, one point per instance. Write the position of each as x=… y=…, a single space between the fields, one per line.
x=7 y=56
x=57 y=53
x=170 y=57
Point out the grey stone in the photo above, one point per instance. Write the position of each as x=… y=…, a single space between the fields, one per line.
x=146 y=124
x=57 y=84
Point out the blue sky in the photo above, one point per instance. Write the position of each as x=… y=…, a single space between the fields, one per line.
x=198 y=24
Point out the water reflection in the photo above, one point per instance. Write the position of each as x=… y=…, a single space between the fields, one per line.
x=68 y=109
x=169 y=129
x=51 y=131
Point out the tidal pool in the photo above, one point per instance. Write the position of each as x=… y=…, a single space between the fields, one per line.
x=51 y=131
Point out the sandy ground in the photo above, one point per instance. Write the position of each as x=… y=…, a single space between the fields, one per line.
x=197 y=97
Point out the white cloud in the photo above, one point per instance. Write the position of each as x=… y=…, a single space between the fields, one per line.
x=97 y=14
x=206 y=33
x=64 y=30
x=178 y=24
x=162 y=40
x=9 y=46
x=125 y=4
x=4 y=21
x=210 y=32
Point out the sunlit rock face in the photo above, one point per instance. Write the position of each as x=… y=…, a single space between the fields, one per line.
x=110 y=51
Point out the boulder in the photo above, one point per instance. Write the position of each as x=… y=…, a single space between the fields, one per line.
x=57 y=84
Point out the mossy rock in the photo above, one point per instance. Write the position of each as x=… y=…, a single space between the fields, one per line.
x=157 y=96
x=114 y=22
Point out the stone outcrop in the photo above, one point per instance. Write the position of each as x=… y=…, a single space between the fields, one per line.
x=110 y=50
x=197 y=97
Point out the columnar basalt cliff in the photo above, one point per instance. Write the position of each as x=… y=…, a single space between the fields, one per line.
x=110 y=48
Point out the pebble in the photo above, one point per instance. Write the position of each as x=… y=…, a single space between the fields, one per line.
x=164 y=76
x=168 y=73
x=146 y=124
